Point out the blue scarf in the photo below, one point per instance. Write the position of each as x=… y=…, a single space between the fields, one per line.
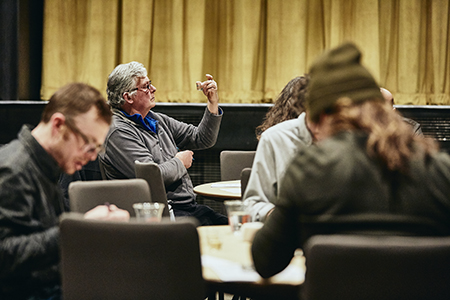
x=148 y=122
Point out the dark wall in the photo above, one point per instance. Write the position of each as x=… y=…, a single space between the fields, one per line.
x=13 y=114
x=238 y=124
x=9 y=59
x=237 y=129
x=237 y=132
x=434 y=120
x=31 y=14
x=21 y=28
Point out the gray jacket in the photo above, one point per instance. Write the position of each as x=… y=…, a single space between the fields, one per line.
x=128 y=141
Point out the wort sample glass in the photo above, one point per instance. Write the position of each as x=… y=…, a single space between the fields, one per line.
x=237 y=215
x=148 y=211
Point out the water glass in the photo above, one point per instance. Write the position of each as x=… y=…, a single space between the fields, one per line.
x=237 y=215
x=148 y=211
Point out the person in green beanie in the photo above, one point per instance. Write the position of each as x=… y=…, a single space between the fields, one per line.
x=367 y=174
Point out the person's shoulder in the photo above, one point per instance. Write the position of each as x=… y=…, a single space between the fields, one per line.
x=316 y=166
x=440 y=160
x=120 y=128
x=343 y=142
x=119 y=123
x=162 y=118
x=411 y=121
x=294 y=130
x=15 y=163
x=156 y=114
x=432 y=171
x=13 y=153
x=284 y=126
x=335 y=150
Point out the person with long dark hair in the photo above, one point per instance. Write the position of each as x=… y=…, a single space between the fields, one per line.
x=367 y=174
x=289 y=104
x=277 y=145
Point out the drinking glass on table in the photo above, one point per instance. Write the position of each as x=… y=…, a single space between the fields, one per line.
x=213 y=239
x=148 y=212
x=237 y=215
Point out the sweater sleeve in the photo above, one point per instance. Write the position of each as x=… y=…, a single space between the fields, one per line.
x=260 y=193
x=274 y=245
x=190 y=137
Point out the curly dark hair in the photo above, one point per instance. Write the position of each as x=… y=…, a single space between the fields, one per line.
x=289 y=104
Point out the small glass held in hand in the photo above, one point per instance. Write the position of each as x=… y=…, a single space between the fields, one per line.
x=237 y=215
x=148 y=212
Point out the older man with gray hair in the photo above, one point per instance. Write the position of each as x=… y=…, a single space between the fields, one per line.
x=137 y=133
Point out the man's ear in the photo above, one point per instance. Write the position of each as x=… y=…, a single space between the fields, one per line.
x=58 y=123
x=127 y=97
x=58 y=119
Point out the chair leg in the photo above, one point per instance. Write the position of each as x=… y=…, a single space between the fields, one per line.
x=212 y=296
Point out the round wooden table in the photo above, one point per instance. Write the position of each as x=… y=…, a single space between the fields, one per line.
x=220 y=190
x=236 y=250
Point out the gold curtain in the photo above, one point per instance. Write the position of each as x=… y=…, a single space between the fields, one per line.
x=251 y=47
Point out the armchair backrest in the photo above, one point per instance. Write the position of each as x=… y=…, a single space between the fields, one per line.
x=130 y=260
x=245 y=176
x=232 y=162
x=150 y=172
x=377 y=267
x=85 y=195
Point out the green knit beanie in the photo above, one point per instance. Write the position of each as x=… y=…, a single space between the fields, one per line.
x=339 y=73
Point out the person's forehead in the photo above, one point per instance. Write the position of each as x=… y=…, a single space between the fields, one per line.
x=142 y=80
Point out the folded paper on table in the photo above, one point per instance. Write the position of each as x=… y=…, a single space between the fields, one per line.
x=226 y=185
x=232 y=191
x=249 y=230
x=228 y=270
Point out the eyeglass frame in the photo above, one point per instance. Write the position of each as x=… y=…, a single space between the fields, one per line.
x=89 y=147
x=147 y=88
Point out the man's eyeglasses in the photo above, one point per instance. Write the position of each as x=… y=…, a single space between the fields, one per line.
x=89 y=147
x=145 y=89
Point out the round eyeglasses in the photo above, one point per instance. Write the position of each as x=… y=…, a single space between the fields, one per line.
x=145 y=88
x=89 y=147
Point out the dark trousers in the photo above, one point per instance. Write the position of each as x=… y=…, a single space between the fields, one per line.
x=204 y=214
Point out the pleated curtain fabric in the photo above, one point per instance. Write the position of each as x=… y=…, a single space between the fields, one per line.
x=251 y=47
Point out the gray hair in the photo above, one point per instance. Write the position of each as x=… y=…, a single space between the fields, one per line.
x=123 y=79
